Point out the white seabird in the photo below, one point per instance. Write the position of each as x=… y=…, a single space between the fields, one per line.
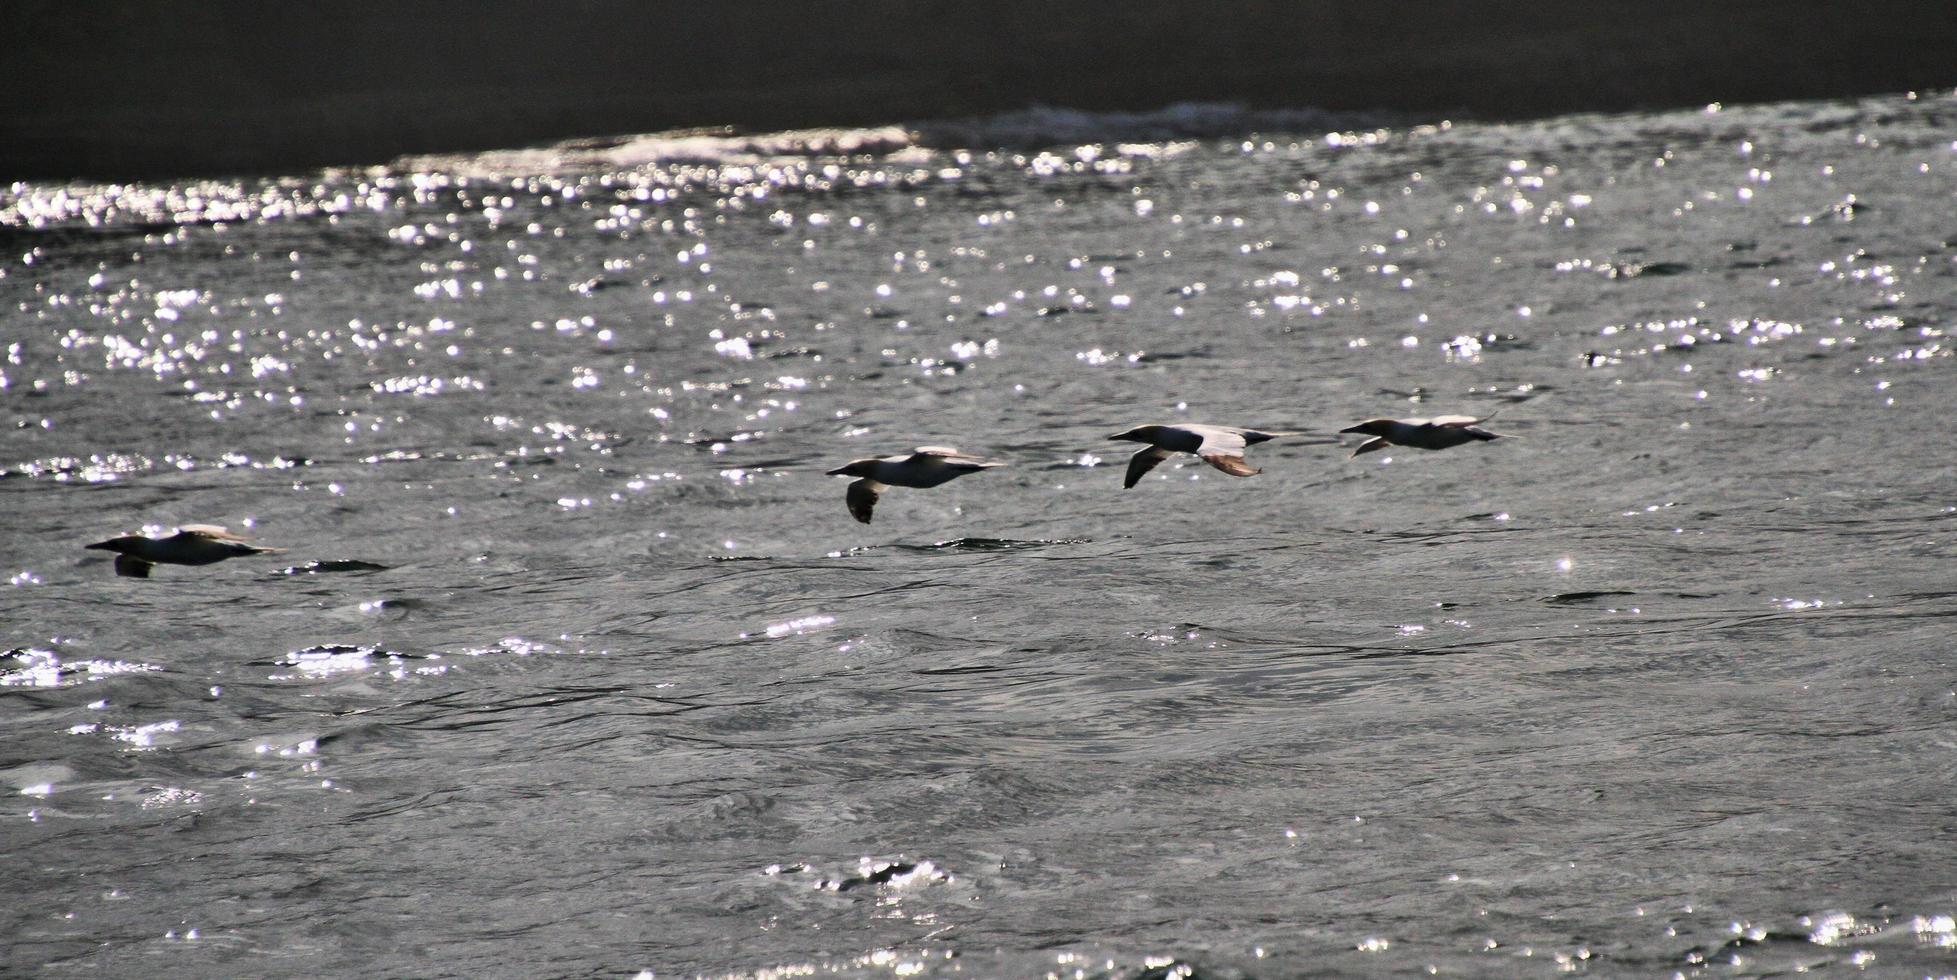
x=925 y=468
x=193 y=544
x=1440 y=432
x=1221 y=446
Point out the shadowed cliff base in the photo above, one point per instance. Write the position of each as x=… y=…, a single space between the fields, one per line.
x=125 y=89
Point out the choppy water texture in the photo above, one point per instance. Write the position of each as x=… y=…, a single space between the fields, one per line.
x=577 y=666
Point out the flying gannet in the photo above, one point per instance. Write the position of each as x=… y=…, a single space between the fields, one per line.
x=1440 y=432
x=1221 y=446
x=925 y=468
x=193 y=544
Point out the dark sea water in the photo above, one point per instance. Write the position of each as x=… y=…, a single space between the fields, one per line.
x=575 y=664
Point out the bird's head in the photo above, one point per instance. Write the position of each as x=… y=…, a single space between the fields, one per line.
x=855 y=467
x=1371 y=427
x=125 y=545
x=1140 y=433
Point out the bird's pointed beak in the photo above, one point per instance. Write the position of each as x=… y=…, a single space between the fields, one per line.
x=100 y=546
x=1356 y=428
x=839 y=471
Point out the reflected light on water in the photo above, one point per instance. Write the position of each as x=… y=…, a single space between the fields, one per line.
x=796 y=627
x=326 y=661
x=1830 y=928
x=45 y=668
x=1939 y=931
x=145 y=736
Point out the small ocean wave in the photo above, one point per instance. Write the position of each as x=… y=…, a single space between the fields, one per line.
x=702 y=146
x=966 y=544
x=893 y=873
x=988 y=544
x=1045 y=126
x=1033 y=128
x=330 y=566
x=327 y=660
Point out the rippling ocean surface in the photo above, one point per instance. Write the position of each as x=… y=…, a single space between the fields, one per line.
x=575 y=664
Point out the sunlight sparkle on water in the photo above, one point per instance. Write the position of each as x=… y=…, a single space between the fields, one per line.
x=799 y=626
x=1938 y=930
x=326 y=661
x=144 y=736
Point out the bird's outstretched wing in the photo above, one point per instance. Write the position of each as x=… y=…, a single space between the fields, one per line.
x=1140 y=463
x=1217 y=439
x=131 y=566
x=215 y=531
x=1224 y=449
x=1233 y=465
x=1456 y=429
x=946 y=454
x=1370 y=445
x=862 y=499
x=1255 y=436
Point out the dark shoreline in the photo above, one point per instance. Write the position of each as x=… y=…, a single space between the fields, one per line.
x=120 y=90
